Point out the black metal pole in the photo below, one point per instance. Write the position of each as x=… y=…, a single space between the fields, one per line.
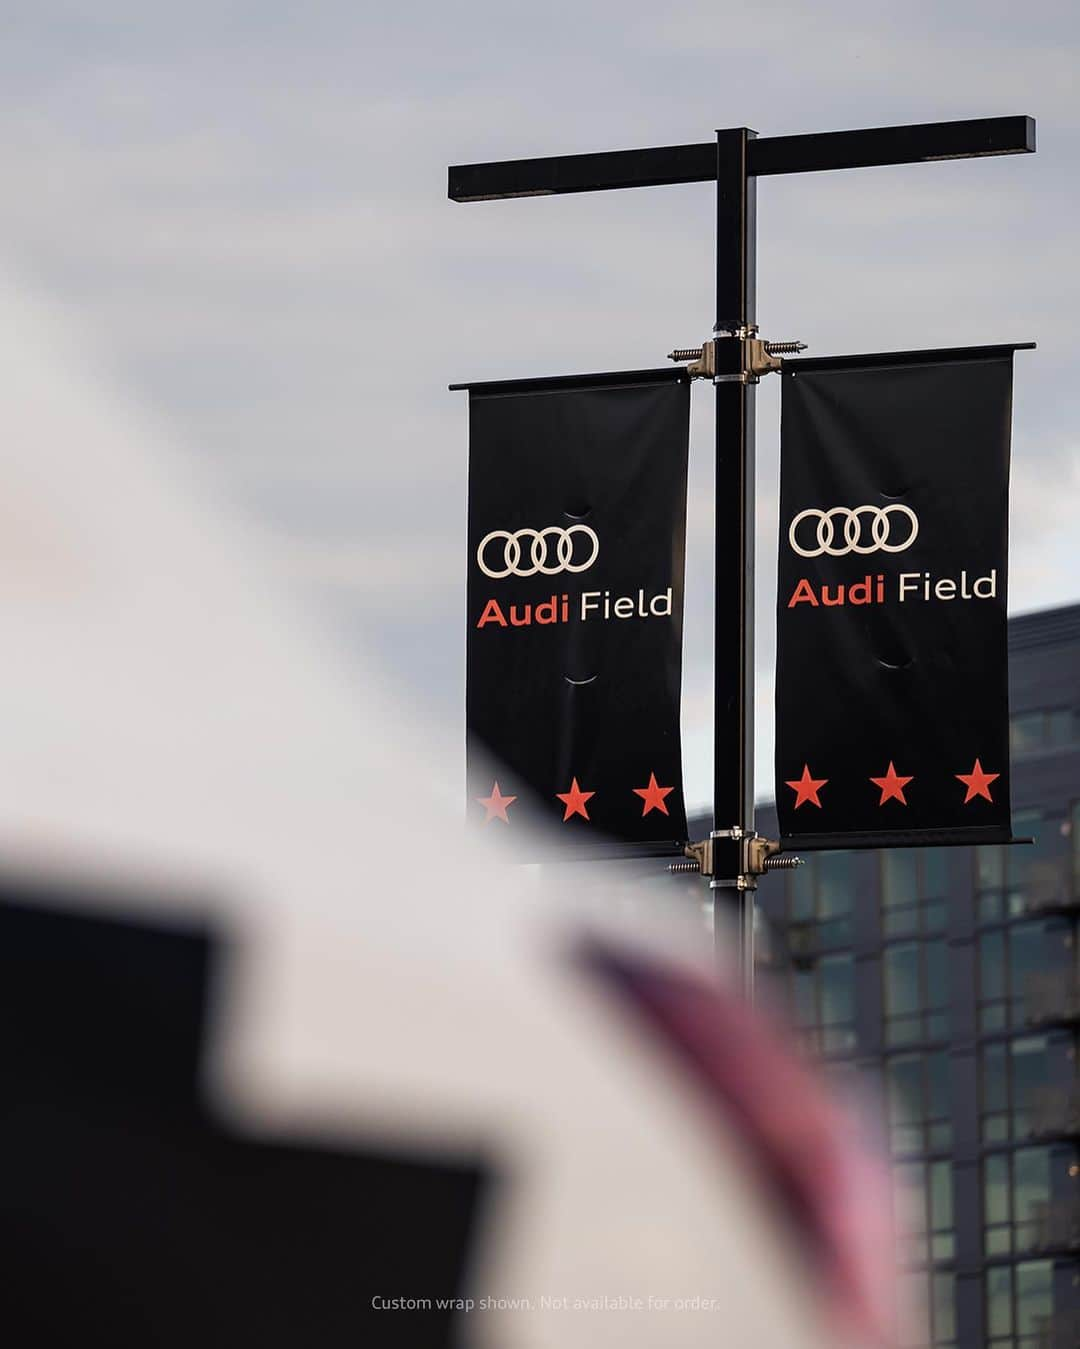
x=738 y=160
x=733 y=660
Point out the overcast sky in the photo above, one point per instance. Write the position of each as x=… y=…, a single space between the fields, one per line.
x=241 y=210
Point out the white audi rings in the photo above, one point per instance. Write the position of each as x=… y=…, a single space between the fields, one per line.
x=852 y=531
x=539 y=552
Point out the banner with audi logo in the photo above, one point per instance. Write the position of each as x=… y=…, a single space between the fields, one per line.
x=576 y=536
x=891 y=672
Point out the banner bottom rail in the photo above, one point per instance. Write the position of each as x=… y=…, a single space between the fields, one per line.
x=924 y=838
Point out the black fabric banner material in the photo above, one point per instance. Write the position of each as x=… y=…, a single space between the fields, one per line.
x=576 y=537
x=891 y=670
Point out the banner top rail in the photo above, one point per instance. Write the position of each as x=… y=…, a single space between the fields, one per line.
x=918 y=143
x=667 y=374
x=931 y=354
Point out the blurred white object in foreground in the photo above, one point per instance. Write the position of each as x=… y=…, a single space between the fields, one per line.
x=164 y=719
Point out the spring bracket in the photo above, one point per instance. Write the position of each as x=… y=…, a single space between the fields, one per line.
x=742 y=855
x=759 y=357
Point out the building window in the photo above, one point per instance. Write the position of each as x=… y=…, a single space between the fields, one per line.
x=1030 y=1200
x=1019 y=1096
x=1010 y=880
x=916 y=992
x=1026 y=974
x=821 y=898
x=1045 y=728
x=927 y=1309
x=914 y=886
x=824 y=1003
x=924 y=1212
x=1019 y=1304
x=918 y=1101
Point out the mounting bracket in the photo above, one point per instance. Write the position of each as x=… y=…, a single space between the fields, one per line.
x=734 y=858
x=758 y=357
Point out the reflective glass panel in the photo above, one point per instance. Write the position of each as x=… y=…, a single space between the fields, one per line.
x=1031 y=1193
x=1059 y=726
x=989 y=867
x=994 y=1094
x=903 y=1075
x=1027 y=957
x=801 y=893
x=999 y=1318
x=1026 y=732
x=802 y=983
x=991 y=966
x=834 y=884
x=941 y=1204
x=837 y=991
x=934 y=862
x=939 y=1099
x=996 y=1188
x=902 y=979
x=899 y=877
x=937 y=974
x=1034 y=1295
x=944 y=1312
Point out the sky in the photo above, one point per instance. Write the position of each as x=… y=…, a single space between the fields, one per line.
x=238 y=211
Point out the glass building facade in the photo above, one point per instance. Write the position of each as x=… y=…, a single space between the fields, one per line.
x=947 y=980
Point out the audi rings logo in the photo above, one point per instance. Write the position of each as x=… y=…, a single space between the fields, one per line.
x=843 y=529
x=545 y=552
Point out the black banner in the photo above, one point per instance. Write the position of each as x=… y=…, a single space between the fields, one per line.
x=577 y=522
x=891 y=669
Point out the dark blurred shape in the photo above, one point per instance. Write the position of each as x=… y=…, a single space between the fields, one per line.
x=131 y=1217
x=103 y=1009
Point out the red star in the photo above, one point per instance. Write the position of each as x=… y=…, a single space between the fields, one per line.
x=574 y=800
x=977 y=782
x=496 y=805
x=806 y=788
x=653 y=795
x=892 y=786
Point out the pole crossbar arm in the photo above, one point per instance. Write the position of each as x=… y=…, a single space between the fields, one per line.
x=919 y=144
x=656 y=167
x=916 y=144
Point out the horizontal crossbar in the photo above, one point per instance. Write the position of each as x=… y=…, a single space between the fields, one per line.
x=920 y=143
